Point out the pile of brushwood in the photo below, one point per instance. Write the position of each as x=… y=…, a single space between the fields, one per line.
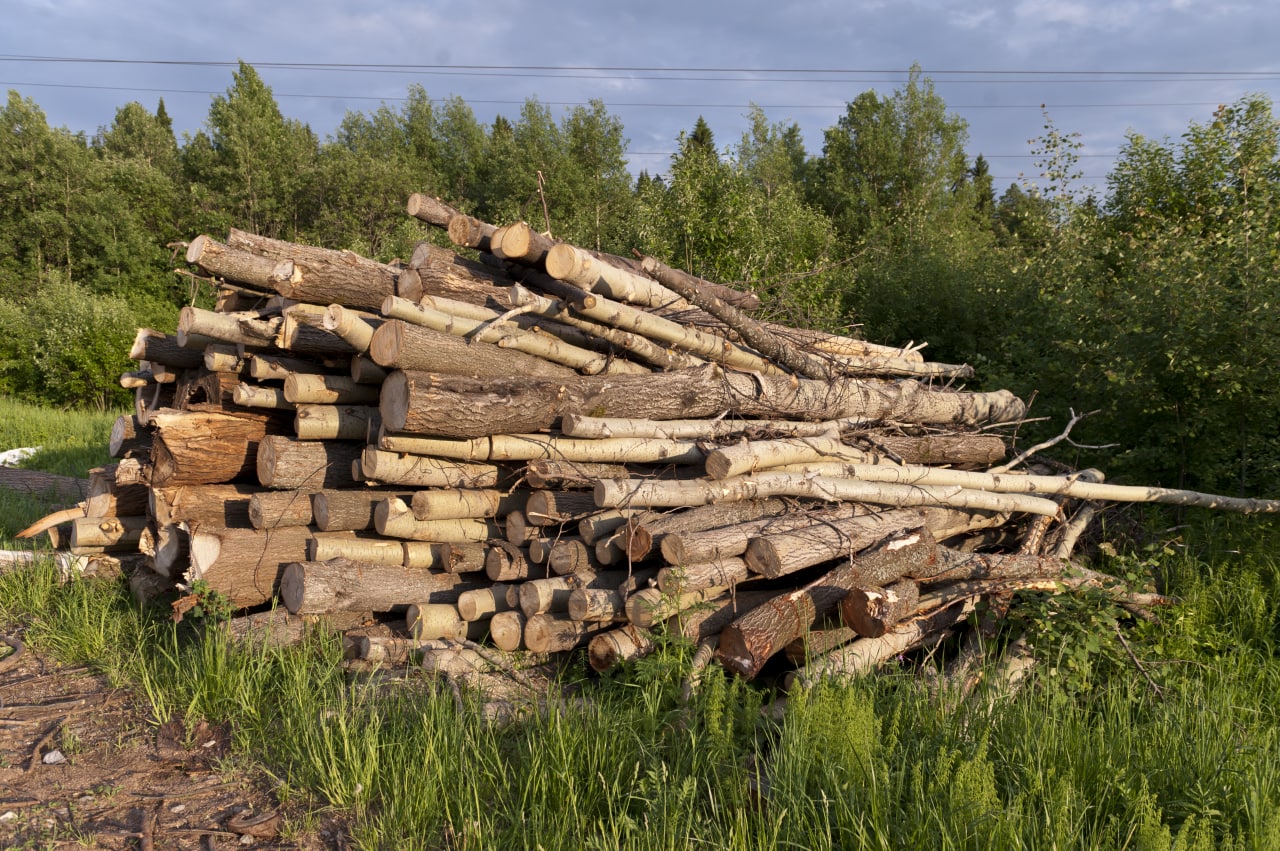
x=527 y=446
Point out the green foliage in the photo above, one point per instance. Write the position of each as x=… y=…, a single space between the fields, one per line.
x=211 y=605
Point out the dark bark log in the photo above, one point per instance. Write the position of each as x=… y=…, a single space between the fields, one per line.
x=433 y=211
x=350 y=509
x=722 y=573
x=649 y=530
x=825 y=539
x=310 y=587
x=546 y=508
x=158 y=347
x=403 y=346
x=505 y=562
x=128 y=437
x=203 y=505
x=469 y=233
x=348 y=279
x=873 y=610
x=441 y=272
x=231 y=264
x=206 y=447
x=285 y=463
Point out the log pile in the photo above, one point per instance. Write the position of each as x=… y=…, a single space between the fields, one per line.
x=549 y=448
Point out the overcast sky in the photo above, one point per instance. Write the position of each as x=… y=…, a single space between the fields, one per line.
x=1146 y=66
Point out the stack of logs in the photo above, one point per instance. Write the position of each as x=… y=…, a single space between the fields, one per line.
x=548 y=448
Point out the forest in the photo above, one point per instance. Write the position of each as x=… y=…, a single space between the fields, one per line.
x=1151 y=308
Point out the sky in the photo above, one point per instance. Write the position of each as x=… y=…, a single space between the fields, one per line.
x=1099 y=68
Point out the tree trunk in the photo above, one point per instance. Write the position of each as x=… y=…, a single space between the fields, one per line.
x=421 y=472
x=556 y=633
x=469 y=233
x=650 y=606
x=722 y=573
x=441 y=272
x=244 y=328
x=245 y=564
x=624 y=644
x=312 y=465
x=106 y=534
x=158 y=347
x=347 y=279
x=548 y=508
x=255 y=396
x=402 y=345
x=431 y=210
x=339 y=585
x=506 y=630
x=748 y=642
x=366 y=550
x=227 y=506
x=482 y=603
x=303 y=389
x=128 y=437
x=552 y=593
x=281 y=250
x=571 y=555
x=206 y=447
x=871 y=611
x=231 y=264
x=573 y=265
x=350 y=510
x=647 y=532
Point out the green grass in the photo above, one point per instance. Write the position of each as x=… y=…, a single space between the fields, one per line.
x=880 y=763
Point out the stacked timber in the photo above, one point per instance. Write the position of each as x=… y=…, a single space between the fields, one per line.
x=549 y=448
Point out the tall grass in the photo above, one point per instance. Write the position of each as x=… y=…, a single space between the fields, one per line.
x=881 y=763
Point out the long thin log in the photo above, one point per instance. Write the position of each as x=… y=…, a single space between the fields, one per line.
x=366 y=550
x=346 y=279
x=825 y=538
x=353 y=326
x=456 y=503
x=402 y=345
x=304 y=389
x=532 y=447
x=394 y=518
x=422 y=472
x=337 y=585
x=431 y=210
x=573 y=265
x=246 y=328
x=158 y=347
x=636 y=493
x=580 y=425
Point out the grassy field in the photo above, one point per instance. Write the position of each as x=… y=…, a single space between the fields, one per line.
x=1096 y=753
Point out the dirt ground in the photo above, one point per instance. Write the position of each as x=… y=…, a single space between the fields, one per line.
x=81 y=765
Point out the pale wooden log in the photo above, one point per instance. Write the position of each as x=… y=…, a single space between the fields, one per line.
x=597 y=604
x=394 y=518
x=636 y=493
x=285 y=463
x=128 y=437
x=272 y=367
x=158 y=347
x=524 y=245
x=1012 y=483
x=402 y=345
x=106 y=534
x=530 y=447
x=283 y=250
x=602 y=524
x=202 y=505
x=333 y=422
x=824 y=539
x=556 y=633
x=579 y=425
x=748 y=457
x=553 y=472
x=457 y=503
x=506 y=630
x=485 y=330
x=466 y=557
x=552 y=593
x=320 y=587
x=225 y=357
x=430 y=621
x=194 y=341
x=871 y=611
x=567 y=263
x=424 y=472
x=366 y=550
x=136 y=380
x=495 y=242
x=724 y=573
x=627 y=643
x=304 y=389
x=636 y=346
x=507 y=562
x=756 y=335
x=349 y=509
x=246 y=328
x=346 y=279
x=881 y=366
x=647 y=531
x=231 y=264
x=862 y=656
x=431 y=210
x=696 y=545
x=354 y=327
x=649 y=606
x=206 y=447
x=611 y=550
x=539 y=549
x=571 y=555
x=482 y=603
x=273 y=509
x=748 y=642
x=545 y=508
x=245 y=564
x=257 y=396
x=470 y=232
x=821 y=341
x=365 y=371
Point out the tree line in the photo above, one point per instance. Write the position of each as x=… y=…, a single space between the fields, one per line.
x=1153 y=305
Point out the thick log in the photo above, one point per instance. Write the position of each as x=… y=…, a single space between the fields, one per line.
x=365 y=371
x=546 y=508
x=571 y=555
x=555 y=633
x=347 y=279
x=602 y=524
x=128 y=437
x=225 y=357
x=273 y=509
x=104 y=496
x=158 y=347
x=482 y=603
x=231 y=264
x=206 y=447
x=441 y=272
x=726 y=541
x=872 y=610
x=245 y=564
x=627 y=643
x=402 y=345
x=333 y=422
x=748 y=642
x=203 y=505
x=646 y=532
x=722 y=573
x=824 y=538
x=435 y=621
x=507 y=562
x=650 y=606
x=246 y=328
x=433 y=211
x=340 y=585
x=573 y=265
x=285 y=463
x=276 y=628
x=524 y=245
x=469 y=232
x=552 y=593
x=353 y=326
x=281 y=250
x=350 y=509
x=597 y=604
x=394 y=518
x=106 y=534
x=506 y=630
x=458 y=503
x=422 y=472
